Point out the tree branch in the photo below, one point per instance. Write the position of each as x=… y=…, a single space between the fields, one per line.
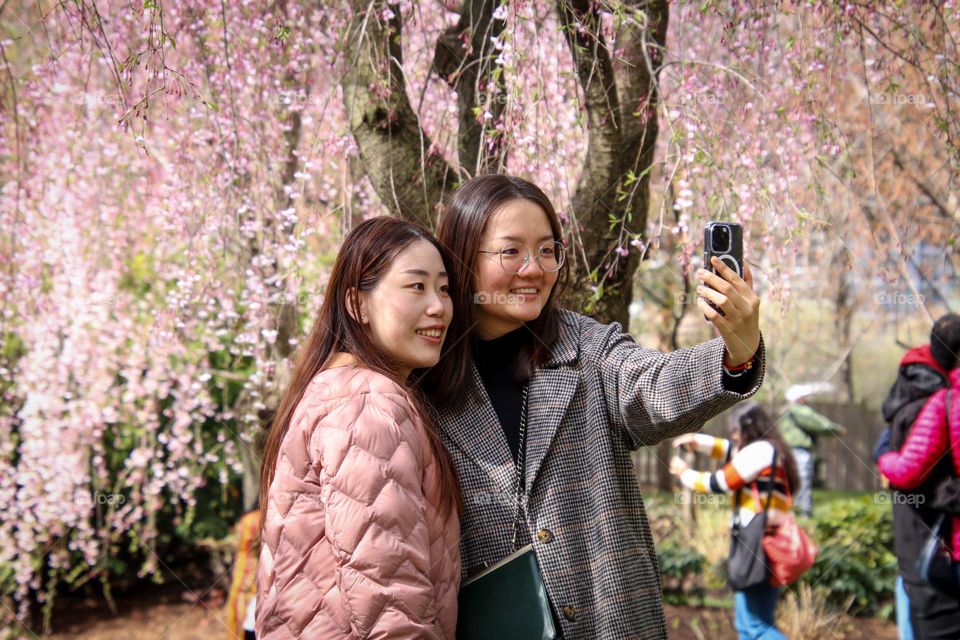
x=407 y=173
x=942 y=207
x=465 y=57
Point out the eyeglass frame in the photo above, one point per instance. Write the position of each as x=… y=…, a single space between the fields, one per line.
x=526 y=258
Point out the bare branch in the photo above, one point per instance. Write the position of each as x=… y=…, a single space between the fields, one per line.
x=941 y=207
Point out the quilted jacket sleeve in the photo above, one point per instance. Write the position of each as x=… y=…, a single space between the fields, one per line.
x=655 y=395
x=372 y=459
x=926 y=442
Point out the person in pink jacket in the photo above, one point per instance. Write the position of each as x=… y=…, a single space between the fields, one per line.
x=360 y=505
x=929 y=439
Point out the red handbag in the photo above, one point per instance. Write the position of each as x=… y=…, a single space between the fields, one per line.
x=790 y=551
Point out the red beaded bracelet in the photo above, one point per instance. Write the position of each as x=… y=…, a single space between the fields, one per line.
x=740 y=368
x=746 y=366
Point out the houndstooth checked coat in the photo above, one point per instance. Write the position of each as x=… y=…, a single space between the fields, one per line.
x=597 y=398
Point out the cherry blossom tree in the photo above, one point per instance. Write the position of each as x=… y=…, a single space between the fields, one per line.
x=176 y=177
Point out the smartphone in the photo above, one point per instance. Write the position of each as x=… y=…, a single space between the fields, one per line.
x=724 y=240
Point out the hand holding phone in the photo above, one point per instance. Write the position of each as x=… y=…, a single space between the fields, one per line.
x=726 y=295
x=725 y=241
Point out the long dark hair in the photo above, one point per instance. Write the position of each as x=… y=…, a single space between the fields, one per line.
x=364 y=258
x=756 y=424
x=466 y=213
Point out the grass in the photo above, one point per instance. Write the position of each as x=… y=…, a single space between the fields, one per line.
x=805 y=615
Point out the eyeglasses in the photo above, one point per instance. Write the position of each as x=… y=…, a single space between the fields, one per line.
x=514 y=257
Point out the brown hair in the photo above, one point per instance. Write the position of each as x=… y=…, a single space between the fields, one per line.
x=756 y=424
x=465 y=216
x=364 y=258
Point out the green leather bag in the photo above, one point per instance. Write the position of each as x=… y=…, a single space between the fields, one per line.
x=508 y=601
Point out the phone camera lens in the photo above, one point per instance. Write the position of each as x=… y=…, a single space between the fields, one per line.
x=721 y=239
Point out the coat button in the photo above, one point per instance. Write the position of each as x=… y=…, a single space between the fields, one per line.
x=545 y=535
x=569 y=613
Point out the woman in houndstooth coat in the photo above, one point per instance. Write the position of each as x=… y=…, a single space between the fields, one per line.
x=589 y=395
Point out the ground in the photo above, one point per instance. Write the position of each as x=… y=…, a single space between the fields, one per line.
x=172 y=618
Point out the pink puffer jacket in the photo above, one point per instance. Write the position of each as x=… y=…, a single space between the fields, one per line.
x=352 y=545
x=926 y=443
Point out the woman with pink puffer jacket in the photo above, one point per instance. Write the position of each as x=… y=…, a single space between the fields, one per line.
x=360 y=504
x=928 y=440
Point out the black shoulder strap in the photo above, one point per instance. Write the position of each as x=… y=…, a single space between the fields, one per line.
x=773 y=477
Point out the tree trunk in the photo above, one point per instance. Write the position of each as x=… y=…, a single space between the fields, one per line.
x=610 y=205
x=406 y=172
x=619 y=98
x=844 y=302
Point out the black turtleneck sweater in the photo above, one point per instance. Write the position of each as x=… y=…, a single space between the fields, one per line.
x=496 y=361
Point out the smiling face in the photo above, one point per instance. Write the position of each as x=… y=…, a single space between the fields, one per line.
x=504 y=301
x=409 y=310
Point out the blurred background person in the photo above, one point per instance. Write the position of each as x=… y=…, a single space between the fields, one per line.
x=761 y=461
x=924 y=370
x=242 y=600
x=801 y=426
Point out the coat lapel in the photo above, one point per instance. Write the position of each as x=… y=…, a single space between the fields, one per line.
x=480 y=439
x=551 y=390
x=549 y=396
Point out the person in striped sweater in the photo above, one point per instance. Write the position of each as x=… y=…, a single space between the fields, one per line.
x=748 y=466
x=242 y=600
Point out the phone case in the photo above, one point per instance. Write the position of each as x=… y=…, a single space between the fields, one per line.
x=733 y=256
x=731 y=253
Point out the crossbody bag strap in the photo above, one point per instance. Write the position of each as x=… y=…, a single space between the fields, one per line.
x=773 y=477
x=756 y=488
x=518 y=494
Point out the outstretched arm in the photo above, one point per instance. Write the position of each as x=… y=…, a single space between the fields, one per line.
x=814 y=422
x=745 y=467
x=654 y=395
